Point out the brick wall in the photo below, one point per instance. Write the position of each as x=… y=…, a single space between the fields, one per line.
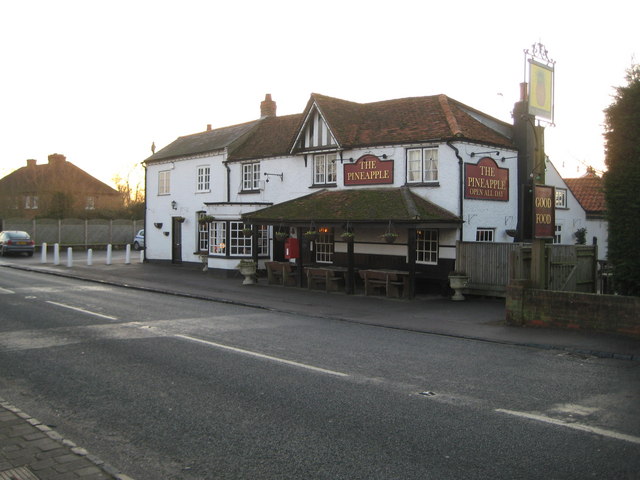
x=572 y=310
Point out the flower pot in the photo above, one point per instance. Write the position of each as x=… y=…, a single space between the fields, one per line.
x=389 y=237
x=248 y=269
x=458 y=282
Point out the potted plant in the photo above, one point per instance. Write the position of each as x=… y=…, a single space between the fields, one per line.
x=458 y=281
x=247 y=231
x=248 y=269
x=206 y=219
x=282 y=235
x=311 y=234
x=347 y=236
x=390 y=237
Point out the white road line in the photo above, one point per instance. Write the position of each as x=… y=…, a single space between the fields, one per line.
x=266 y=357
x=575 y=426
x=4 y=290
x=77 y=309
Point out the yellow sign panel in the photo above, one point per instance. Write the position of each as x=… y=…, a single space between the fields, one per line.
x=540 y=90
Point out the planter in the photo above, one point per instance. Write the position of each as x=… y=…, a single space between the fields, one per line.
x=248 y=269
x=347 y=237
x=311 y=235
x=282 y=236
x=247 y=232
x=458 y=282
x=390 y=237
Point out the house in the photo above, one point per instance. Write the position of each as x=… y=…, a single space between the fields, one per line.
x=56 y=189
x=429 y=170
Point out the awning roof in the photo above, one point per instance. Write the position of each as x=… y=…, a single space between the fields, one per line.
x=398 y=205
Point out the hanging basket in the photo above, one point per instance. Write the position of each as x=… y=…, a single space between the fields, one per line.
x=282 y=235
x=347 y=237
x=247 y=232
x=311 y=234
x=390 y=237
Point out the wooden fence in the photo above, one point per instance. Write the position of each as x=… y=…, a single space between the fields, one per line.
x=490 y=266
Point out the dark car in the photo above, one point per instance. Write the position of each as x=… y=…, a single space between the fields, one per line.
x=13 y=241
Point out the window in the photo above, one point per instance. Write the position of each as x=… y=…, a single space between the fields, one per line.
x=485 y=234
x=203 y=235
x=31 y=202
x=557 y=236
x=324 y=169
x=427 y=246
x=324 y=245
x=204 y=179
x=218 y=238
x=251 y=176
x=422 y=165
x=561 y=198
x=164 y=182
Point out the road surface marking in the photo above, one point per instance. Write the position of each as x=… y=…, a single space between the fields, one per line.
x=77 y=309
x=575 y=426
x=4 y=290
x=266 y=357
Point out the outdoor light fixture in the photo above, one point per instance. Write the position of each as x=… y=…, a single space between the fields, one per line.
x=281 y=175
x=473 y=154
x=158 y=225
x=174 y=204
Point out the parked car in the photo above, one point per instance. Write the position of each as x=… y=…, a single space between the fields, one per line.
x=138 y=240
x=14 y=241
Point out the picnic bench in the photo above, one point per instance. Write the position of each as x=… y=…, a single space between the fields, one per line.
x=330 y=278
x=280 y=273
x=394 y=283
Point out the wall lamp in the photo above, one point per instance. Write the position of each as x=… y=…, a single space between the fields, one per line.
x=473 y=154
x=281 y=175
x=174 y=205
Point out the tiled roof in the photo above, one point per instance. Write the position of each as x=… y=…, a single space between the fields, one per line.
x=361 y=205
x=49 y=177
x=589 y=191
x=271 y=138
x=403 y=120
x=204 y=142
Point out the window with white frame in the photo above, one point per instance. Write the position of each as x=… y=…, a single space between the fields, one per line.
x=485 y=234
x=422 y=165
x=218 y=238
x=164 y=182
x=203 y=183
x=203 y=235
x=251 y=176
x=561 y=198
x=427 y=246
x=324 y=169
x=31 y=202
x=324 y=245
x=557 y=236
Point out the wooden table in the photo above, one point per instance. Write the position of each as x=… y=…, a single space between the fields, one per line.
x=394 y=282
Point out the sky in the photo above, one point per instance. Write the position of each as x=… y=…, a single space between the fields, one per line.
x=99 y=82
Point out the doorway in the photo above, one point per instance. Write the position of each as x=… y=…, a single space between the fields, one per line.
x=176 y=239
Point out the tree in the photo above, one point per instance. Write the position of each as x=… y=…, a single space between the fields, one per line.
x=132 y=190
x=621 y=181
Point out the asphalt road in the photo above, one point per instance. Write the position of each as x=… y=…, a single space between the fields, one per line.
x=165 y=387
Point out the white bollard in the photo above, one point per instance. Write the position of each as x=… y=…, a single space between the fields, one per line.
x=90 y=257
x=141 y=256
x=127 y=255
x=69 y=257
x=109 y=254
x=56 y=254
x=43 y=253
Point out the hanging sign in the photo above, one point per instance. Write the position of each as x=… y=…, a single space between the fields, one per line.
x=544 y=211
x=541 y=90
x=368 y=170
x=486 y=181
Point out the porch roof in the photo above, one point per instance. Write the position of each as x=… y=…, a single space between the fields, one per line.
x=399 y=205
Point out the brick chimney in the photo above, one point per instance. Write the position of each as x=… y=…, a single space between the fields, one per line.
x=267 y=107
x=56 y=159
x=31 y=163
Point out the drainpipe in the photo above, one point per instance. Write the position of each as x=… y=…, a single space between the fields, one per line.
x=460 y=188
x=226 y=165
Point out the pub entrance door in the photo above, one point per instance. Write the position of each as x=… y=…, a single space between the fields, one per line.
x=176 y=239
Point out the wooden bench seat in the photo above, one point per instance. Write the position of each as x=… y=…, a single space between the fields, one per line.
x=280 y=273
x=331 y=280
x=388 y=282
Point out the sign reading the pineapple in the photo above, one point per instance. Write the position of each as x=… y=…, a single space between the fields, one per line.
x=368 y=170
x=540 y=90
x=544 y=211
x=486 y=181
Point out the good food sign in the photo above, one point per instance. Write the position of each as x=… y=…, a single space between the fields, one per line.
x=544 y=212
x=486 y=181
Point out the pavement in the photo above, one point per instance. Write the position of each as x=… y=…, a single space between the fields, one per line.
x=26 y=443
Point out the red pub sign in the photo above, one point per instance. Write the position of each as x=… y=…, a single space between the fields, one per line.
x=368 y=170
x=486 y=181
x=544 y=212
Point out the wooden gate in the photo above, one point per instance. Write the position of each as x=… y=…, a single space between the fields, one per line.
x=490 y=266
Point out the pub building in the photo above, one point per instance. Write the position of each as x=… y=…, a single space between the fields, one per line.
x=339 y=190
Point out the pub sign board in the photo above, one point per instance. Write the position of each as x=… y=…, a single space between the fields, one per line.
x=486 y=181
x=544 y=211
x=368 y=170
